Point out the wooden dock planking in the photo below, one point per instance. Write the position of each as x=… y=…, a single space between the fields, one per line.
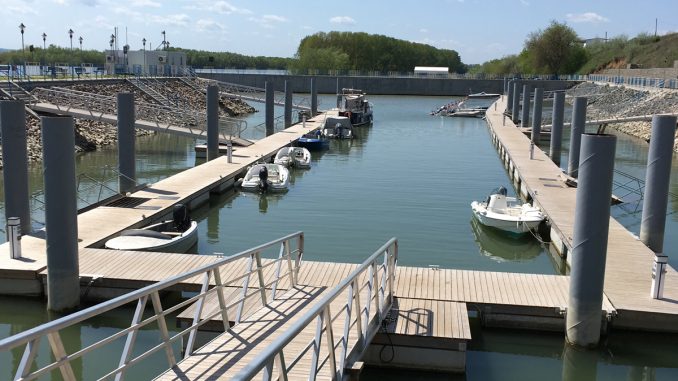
x=629 y=261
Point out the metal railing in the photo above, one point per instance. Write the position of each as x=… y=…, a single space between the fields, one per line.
x=367 y=321
x=289 y=258
x=642 y=82
x=257 y=94
x=163 y=117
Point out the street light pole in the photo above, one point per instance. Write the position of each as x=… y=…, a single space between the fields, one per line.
x=70 y=35
x=143 y=41
x=164 y=42
x=44 y=48
x=80 y=39
x=23 y=52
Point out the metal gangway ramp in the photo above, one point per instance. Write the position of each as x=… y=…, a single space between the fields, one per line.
x=281 y=327
x=148 y=116
x=256 y=94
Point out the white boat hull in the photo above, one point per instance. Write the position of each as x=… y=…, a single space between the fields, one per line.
x=177 y=244
x=278 y=178
x=517 y=224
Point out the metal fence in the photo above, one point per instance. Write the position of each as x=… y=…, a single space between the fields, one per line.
x=254 y=283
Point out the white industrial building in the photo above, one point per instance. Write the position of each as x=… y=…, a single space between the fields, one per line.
x=145 y=62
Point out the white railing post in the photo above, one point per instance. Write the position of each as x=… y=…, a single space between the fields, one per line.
x=197 y=313
x=260 y=273
x=245 y=286
x=162 y=326
x=316 y=346
x=281 y=254
x=222 y=301
x=290 y=268
x=26 y=362
x=59 y=353
x=347 y=328
x=131 y=338
x=330 y=341
x=358 y=315
x=282 y=368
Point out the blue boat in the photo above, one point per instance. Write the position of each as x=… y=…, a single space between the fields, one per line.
x=313 y=141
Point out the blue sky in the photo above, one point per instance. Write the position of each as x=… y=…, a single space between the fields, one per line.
x=478 y=29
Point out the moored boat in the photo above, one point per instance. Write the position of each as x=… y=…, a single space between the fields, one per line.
x=353 y=105
x=298 y=157
x=313 y=141
x=507 y=213
x=266 y=178
x=177 y=235
x=338 y=127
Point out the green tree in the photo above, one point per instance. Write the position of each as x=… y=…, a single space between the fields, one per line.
x=555 y=50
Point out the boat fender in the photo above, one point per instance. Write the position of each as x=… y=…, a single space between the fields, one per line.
x=144 y=233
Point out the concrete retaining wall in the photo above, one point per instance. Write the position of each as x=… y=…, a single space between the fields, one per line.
x=381 y=85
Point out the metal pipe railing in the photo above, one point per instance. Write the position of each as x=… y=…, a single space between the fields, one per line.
x=366 y=323
x=211 y=283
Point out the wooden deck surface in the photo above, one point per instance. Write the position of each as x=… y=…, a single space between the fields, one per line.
x=629 y=261
x=97 y=225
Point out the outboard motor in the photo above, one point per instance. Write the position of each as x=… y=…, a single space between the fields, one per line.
x=263 y=179
x=181 y=217
x=338 y=131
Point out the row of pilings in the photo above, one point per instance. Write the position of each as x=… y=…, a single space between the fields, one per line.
x=591 y=162
x=61 y=213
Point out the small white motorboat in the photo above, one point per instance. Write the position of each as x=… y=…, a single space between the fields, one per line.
x=266 y=178
x=298 y=157
x=507 y=213
x=177 y=235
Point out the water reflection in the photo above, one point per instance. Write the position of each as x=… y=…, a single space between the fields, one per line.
x=501 y=247
x=579 y=364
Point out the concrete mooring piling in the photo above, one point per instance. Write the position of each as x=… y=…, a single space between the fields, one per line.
x=61 y=213
x=314 y=97
x=126 y=143
x=525 y=111
x=655 y=198
x=536 y=114
x=589 y=240
x=509 y=96
x=506 y=80
x=288 y=103
x=576 y=131
x=212 y=122
x=515 y=106
x=15 y=161
x=557 y=126
x=270 y=109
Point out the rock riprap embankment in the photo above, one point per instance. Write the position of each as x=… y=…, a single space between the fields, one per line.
x=607 y=102
x=91 y=134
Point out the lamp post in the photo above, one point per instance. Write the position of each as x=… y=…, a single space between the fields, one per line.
x=80 y=39
x=44 y=47
x=164 y=42
x=143 y=41
x=70 y=35
x=23 y=53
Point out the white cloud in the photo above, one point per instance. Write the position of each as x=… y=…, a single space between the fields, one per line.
x=146 y=3
x=99 y=22
x=590 y=17
x=268 y=21
x=346 y=20
x=203 y=25
x=222 y=7
x=60 y=2
x=14 y=7
x=524 y=2
x=127 y=12
x=174 y=20
x=423 y=30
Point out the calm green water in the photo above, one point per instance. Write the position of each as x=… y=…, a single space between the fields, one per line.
x=412 y=176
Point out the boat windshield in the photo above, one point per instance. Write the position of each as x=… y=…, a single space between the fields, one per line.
x=501 y=190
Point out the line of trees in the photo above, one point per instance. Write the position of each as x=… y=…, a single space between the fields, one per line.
x=202 y=58
x=369 y=52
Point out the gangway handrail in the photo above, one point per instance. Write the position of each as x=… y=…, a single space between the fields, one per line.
x=210 y=272
x=273 y=353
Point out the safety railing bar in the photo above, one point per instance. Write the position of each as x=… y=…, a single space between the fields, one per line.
x=27 y=358
x=131 y=337
x=198 y=311
x=59 y=352
x=162 y=325
x=58 y=324
x=329 y=333
x=253 y=368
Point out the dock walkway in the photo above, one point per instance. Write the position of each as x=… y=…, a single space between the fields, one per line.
x=629 y=262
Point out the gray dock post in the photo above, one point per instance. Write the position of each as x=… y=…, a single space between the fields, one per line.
x=229 y=151
x=61 y=213
x=506 y=81
x=655 y=199
x=536 y=114
x=288 y=103
x=525 y=111
x=15 y=161
x=126 y=143
x=577 y=129
x=314 y=98
x=515 y=106
x=589 y=240
x=509 y=97
x=270 y=109
x=212 y=122
x=557 y=126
